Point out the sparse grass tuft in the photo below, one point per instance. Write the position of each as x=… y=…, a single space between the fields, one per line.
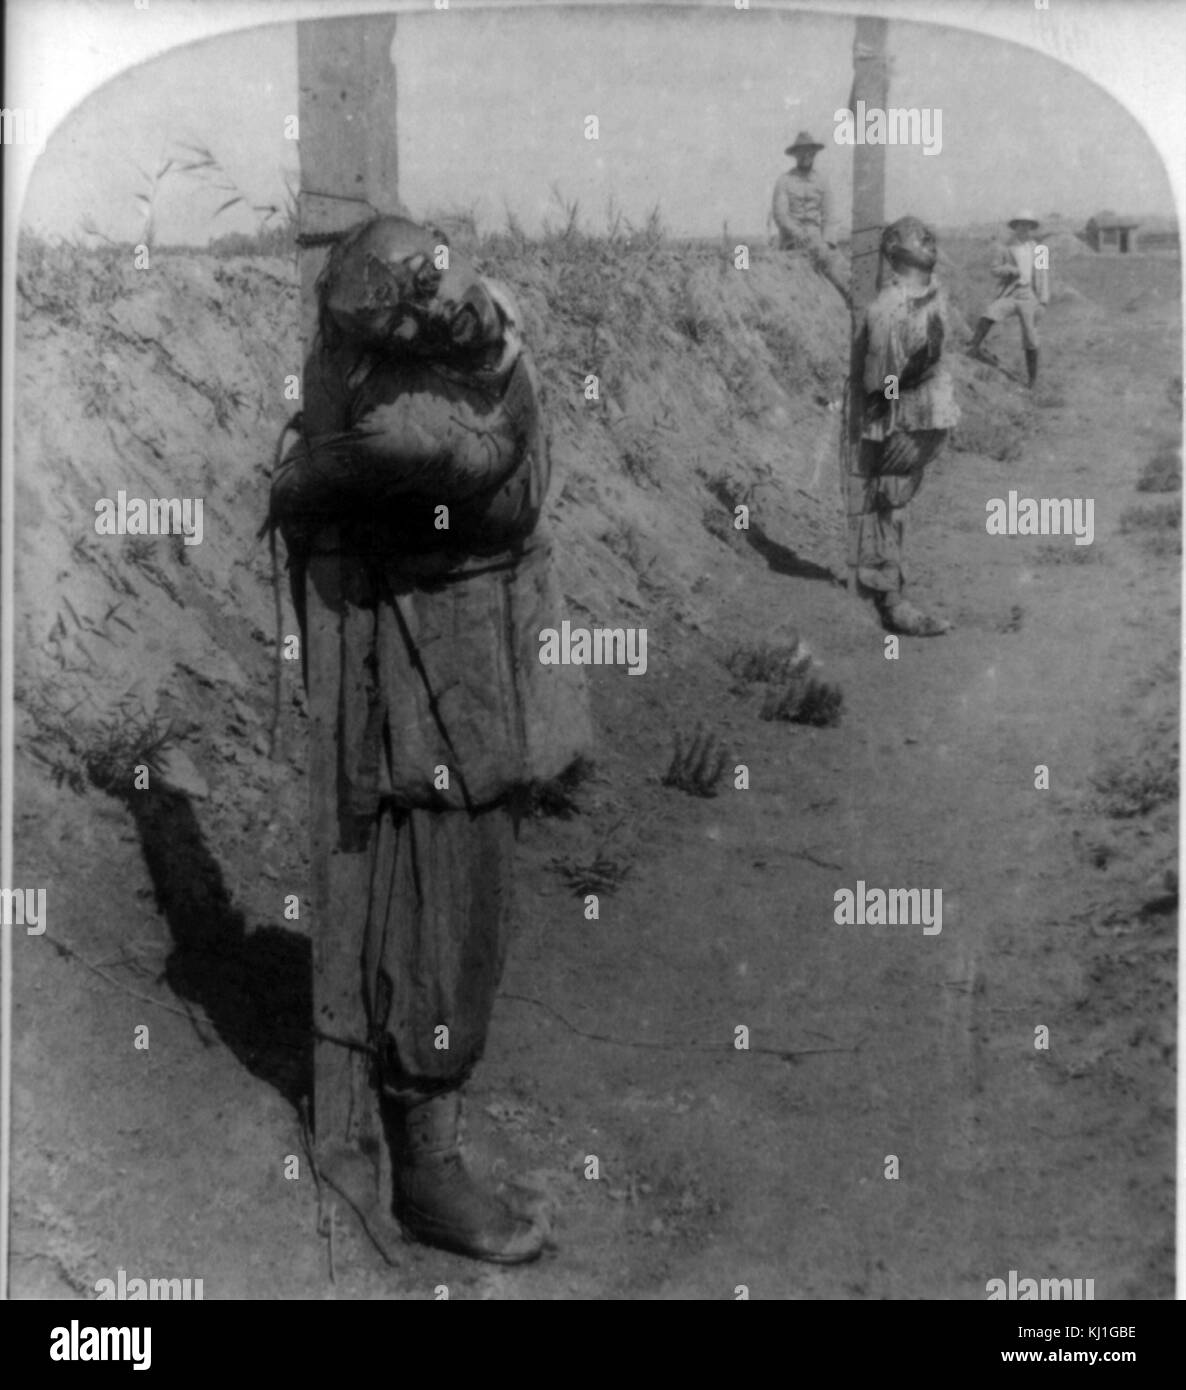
x=1127 y=790
x=1157 y=528
x=795 y=694
x=697 y=764
x=275 y=221
x=806 y=701
x=224 y=399
x=1163 y=472
x=145 y=553
x=103 y=751
x=1067 y=553
x=770 y=662
x=603 y=874
x=122 y=742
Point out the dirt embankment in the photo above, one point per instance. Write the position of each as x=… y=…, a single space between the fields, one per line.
x=170 y=382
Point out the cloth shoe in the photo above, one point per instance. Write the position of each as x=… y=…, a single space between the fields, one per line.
x=902 y=616
x=437 y=1200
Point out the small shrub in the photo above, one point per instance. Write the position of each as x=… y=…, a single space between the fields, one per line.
x=769 y=662
x=1163 y=472
x=805 y=701
x=1127 y=791
x=1158 y=528
x=118 y=745
x=697 y=764
x=1067 y=553
x=601 y=875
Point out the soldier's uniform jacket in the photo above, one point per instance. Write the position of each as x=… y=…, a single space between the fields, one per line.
x=802 y=206
x=1018 y=276
x=903 y=332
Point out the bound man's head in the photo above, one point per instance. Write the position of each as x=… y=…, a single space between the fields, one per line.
x=909 y=243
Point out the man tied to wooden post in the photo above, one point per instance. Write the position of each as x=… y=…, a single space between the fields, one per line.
x=422 y=441
x=909 y=407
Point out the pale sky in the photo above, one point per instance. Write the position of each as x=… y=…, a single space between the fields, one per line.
x=695 y=107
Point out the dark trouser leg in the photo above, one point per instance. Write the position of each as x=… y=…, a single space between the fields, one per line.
x=983 y=328
x=836 y=267
x=877 y=522
x=1031 y=364
x=440 y=918
x=833 y=264
x=436 y=939
x=876 y=527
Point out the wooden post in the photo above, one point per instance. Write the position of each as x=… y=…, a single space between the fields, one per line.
x=870 y=84
x=349 y=154
x=348 y=172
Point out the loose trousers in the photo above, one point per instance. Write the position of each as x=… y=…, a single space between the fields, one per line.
x=876 y=504
x=826 y=259
x=437 y=928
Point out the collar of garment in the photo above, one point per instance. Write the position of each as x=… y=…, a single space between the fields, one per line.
x=916 y=296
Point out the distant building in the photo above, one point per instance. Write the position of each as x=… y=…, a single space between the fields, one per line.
x=1160 y=234
x=1110 y=232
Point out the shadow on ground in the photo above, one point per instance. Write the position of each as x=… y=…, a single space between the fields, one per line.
x=257 y=989
x=783 y=560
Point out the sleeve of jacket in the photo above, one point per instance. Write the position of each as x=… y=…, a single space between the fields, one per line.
x=827 y=230
x=780 y=207
x=1004 y=267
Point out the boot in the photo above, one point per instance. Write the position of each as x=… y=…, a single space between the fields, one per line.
x=436 y=1199
x=1031 y=365
x=982 y=331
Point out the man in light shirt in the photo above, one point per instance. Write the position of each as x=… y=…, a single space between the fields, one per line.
x=1023 y=289
x=802 y=212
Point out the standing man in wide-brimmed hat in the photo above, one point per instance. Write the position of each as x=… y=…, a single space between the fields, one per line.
x=802 y=211
x=1023 y=289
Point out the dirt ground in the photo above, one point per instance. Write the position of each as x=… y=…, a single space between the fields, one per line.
x=614 y=1038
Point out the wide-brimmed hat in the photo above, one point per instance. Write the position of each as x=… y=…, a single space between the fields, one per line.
x=803 y=141
x=1024 y=216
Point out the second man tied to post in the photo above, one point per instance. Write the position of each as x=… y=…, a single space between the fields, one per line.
x=909 y=410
